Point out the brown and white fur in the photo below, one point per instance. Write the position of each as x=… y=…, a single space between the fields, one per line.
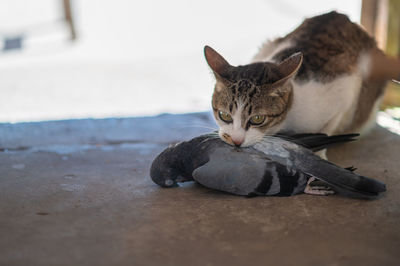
x=324 y=77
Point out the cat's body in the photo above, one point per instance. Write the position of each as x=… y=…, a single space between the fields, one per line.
x=330 y=93
x=314 y=80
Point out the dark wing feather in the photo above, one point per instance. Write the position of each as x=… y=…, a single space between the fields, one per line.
x=343 y=181
x=318 y=141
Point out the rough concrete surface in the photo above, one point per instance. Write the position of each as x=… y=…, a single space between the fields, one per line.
x=98 y=206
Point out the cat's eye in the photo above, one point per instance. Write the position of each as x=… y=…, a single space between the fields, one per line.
x=257 y=119
x=225 y=116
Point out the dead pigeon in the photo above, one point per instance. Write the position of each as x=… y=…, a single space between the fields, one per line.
x=276 y=166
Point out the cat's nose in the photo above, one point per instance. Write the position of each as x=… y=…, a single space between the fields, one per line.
x=237 y=142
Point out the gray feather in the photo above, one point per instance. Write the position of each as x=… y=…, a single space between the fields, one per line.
x=275 y=166
x=343 y=181
x=234 y=172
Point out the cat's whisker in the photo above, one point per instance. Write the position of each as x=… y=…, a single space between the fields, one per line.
x=200 y=126
x=213 y=136
x=270 y=135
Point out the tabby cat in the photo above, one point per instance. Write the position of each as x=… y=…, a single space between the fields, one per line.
x=326 y=76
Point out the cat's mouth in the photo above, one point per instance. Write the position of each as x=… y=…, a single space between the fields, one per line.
x=240 y=143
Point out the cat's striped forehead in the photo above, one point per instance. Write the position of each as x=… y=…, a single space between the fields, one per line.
x=242 y=93
x=244 y=98
x=242 y=87
x=256 y=73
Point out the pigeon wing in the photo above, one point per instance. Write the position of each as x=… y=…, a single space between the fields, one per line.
x=343 y=181
x=248 y=173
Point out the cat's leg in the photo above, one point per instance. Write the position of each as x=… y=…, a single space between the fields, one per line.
x=316 y=187
x=364 y=118
x=335 y=124
x=329 y=129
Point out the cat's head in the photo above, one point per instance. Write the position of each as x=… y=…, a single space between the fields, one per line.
x=252 y=100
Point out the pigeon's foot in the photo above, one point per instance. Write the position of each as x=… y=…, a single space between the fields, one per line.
x=317 y=187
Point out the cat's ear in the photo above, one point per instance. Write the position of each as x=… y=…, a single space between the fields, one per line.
x=216 y=62
x=219 y=66
x=289 y=68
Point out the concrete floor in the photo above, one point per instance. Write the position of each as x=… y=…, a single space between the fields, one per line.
x=96 y=205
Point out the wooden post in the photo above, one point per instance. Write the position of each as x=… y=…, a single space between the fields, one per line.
x=392 y=95
x=374 y=18
x=381 y=19
x=393 y=40
x=69 y=18
x=368 y=15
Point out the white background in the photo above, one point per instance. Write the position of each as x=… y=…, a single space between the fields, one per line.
x=133 y=57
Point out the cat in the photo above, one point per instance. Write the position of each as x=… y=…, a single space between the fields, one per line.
x=324 y=77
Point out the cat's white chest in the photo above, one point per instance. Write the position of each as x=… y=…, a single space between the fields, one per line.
x=322 y=107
